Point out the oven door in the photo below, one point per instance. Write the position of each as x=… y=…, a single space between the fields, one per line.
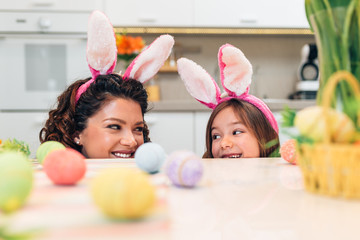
x=35 y=69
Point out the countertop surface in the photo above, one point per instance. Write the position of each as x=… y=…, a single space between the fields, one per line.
x=236 y=199
x=193 y=105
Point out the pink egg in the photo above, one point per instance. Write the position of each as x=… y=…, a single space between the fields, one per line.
x=65 y=166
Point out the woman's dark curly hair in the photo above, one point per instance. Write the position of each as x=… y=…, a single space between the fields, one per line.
x=70 y=117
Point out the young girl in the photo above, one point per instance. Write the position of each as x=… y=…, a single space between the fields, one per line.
x=103 y=116
x=240 y=125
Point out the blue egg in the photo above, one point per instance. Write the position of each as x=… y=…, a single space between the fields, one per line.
x=150 y=157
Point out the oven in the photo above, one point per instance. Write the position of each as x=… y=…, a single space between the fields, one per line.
x=41 y=54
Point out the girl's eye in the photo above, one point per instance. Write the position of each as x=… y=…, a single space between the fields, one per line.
x=215 y=136
x=236 y=132
x=114 y=126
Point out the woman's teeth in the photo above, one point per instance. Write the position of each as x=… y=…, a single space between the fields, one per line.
x=235 y=156
x=123 y=155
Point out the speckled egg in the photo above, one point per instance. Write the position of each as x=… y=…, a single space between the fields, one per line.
x=184 y=168
x=123 y=193
x=64 y=166
x=45 y=148
x=150 y=157
x=16 y=180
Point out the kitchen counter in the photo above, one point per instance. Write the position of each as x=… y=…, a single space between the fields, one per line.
x=193 y=105
x=236 y=199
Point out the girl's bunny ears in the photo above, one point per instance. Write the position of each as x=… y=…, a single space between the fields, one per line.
x=235 y=75
x=101 y=53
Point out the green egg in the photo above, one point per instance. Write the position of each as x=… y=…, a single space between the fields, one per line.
x=16 y=180
x=45 y=148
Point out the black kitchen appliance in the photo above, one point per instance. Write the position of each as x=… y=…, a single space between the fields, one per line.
x=308 y=73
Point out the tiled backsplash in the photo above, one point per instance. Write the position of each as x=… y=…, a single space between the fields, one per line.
x=275 y=60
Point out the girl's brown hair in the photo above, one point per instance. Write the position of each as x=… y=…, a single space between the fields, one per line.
x=254 y=120
x=70 y=117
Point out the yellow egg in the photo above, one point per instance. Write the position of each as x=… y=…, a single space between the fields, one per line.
x=311 y=122
x=123 y=193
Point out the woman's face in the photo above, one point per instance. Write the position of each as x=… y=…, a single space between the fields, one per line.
x=231 y=138
x=115 y=131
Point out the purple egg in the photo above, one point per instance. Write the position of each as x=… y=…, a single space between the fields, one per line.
x=184 y=168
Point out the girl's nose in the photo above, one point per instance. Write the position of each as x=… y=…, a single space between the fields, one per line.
x=128 y=139
x=226 y=142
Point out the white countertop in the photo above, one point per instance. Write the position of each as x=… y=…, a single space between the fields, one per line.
x=236 y=199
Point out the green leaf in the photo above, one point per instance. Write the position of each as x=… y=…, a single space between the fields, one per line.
x=15 y=145
x=288 y=116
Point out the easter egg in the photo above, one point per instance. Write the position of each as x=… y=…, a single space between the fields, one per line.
x=184 y=168
x=123 y=193
x=64 y=166
x=288 y=151
x=150 y=157
x=45 y=148
x=16 y=180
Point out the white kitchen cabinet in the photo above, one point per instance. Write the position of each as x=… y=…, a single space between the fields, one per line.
x=52 y=5
x=159 y=13
x=201 y=119
x=250 y=14
x=24 y=126
x=172 y=130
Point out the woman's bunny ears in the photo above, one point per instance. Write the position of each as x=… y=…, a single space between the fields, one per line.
x=235 y=74
x=101 y=53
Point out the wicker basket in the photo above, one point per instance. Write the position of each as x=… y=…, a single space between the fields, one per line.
x=332 y=168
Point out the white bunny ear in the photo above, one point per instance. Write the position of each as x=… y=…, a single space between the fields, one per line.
x=235 y=70
x=198 y=82
x=101 y=49
x=150 y=60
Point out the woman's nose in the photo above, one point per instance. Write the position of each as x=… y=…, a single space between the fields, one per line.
x=128 y=139
x=226 y=142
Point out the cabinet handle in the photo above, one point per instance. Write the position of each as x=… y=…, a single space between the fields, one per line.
x=43 y=3
x=147 y=20
x=248 y=20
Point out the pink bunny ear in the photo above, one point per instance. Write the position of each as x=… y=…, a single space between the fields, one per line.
x=150 y=60
x=198 y=82
x=235 y=70
x=101 y=49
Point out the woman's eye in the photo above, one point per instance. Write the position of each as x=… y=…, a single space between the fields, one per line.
x=139 y=129
x=114 y=126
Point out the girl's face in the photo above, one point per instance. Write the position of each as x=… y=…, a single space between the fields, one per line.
x=115 y=131
x=231 y=138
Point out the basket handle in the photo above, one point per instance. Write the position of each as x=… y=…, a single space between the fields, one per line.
x=330 y=88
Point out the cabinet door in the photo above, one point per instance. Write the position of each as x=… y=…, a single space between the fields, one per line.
x=149 y=13
x=23 y=126
x=250 y=14
x=52 y=5
x=172 y=130
x=201 y=119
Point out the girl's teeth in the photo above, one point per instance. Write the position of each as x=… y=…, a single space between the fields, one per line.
x=122 y=155
x=234 y=156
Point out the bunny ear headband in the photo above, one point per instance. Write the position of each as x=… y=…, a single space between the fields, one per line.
x=101 y=53
x=235 y=75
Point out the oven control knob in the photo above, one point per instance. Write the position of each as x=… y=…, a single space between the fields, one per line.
x=44 y=23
